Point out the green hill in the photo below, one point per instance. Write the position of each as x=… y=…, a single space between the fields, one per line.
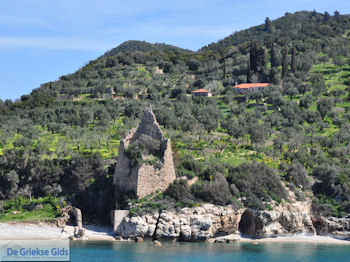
x=142 y=46
x=62 y=140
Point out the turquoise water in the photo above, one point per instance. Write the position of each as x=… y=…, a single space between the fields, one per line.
x=201 y=252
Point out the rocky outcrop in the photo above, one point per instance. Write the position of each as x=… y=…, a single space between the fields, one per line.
x=287 y=218
x=207 y=221
x=336 y=227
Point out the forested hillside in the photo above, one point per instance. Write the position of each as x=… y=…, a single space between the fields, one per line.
x=60 y=143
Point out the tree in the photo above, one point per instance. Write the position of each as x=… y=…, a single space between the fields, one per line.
x=253 y=53
x=324 y=106
x=268 y=25
x=297 y=174
x=324 y=59
x=258 y=135
x=249 y=72
x=258 y=57
x=336 y=14
x=193 y=64
x=326 y=17
x=340 y=62
x=305 y=101
x=284 y=62
x=318 y=84
x=294 y=60
x=273 y=56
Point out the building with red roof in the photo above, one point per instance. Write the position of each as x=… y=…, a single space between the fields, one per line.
x=201 y=92
x=249 y=87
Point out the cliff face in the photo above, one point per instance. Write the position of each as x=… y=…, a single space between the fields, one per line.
x=144 y=177
x=208 y=221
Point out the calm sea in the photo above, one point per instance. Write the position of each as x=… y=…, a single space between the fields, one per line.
x=201 y=252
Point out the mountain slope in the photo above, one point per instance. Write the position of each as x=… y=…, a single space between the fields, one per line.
x=142 y=46
x=299 y=25
x=62 y=140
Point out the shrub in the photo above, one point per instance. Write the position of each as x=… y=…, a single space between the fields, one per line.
x=144 y=145
x=258 y=182
x=180 y=191
x=297 y=174
x=216 y=191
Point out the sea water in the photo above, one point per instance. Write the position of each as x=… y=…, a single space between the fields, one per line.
x=201 y=252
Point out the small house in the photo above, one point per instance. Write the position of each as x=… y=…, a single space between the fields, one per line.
x=202 y=92
x=250 y=87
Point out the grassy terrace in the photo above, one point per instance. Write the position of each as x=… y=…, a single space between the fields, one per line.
x=24 y=210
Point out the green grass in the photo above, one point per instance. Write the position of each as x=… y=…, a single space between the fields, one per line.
x=23 y=210
x=45 y=214
x=52 y=142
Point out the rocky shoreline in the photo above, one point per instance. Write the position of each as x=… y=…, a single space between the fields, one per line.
x=212 y=222
x=291 y=222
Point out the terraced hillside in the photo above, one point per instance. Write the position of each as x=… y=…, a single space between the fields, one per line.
x=61 y=141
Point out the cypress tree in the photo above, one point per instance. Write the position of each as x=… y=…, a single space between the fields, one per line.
x=268 y=25
x=284 y=62
x=294 y=60
x=249 y=76
x=224 y=68
x=273 y=59
x=222 y=59
x=253 y=56
x=326 y=17
x=261 y=58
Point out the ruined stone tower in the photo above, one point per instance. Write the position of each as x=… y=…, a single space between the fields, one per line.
x=151 y=172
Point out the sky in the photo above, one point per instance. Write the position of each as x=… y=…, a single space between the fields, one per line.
x=40 y=40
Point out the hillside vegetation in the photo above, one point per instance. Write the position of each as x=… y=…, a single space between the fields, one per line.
x=62 y=140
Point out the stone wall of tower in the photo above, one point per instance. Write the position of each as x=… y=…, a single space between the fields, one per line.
x=144 y=179
x=151 y=179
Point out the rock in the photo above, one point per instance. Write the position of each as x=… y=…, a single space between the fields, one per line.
x=39 y=206
x=211 y=240
x=79 y=232
x=337 y=227
x=137 y=226
x=209 y=221
x=185 y=232
x=139 y=239
x=231 y=240
x=157 y=243
x=220 y=241
x=201 y=227
x=168 y=226
x=251 y=224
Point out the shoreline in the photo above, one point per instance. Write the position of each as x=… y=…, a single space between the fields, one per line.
x=46 y=231
x=297 y=239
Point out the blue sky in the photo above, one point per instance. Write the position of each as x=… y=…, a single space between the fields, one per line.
x=41 y=40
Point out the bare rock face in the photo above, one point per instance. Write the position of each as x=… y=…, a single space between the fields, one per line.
x=144 y=178
x=187 y=224
x=208 y=221
x=142 y=226
x=251 y=224
x=287 y=218
x=337 y=227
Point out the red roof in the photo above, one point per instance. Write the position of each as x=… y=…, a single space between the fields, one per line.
x=201 y=91
x=250 y=85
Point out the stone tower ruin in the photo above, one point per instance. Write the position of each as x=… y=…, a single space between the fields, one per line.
x=145 y=162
